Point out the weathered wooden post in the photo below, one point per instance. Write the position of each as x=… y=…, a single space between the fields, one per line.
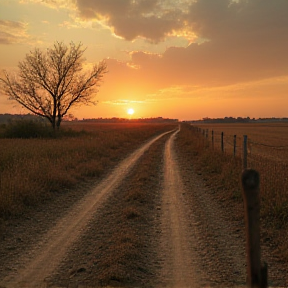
x=212 y=139
x=222 y=142
x=244 y=160
x=256 y=275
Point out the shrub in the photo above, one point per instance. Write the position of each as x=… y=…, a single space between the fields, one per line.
x=27 y=129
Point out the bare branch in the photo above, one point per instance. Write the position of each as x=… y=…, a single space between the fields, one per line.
x=50 y=82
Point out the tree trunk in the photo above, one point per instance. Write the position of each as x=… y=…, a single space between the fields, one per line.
x=53 y=123
x=59 y=119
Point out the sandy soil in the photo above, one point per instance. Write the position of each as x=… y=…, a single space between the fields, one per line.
x=178 y=242
x=152 y=222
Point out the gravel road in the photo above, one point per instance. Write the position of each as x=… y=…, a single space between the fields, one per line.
x=151 y=223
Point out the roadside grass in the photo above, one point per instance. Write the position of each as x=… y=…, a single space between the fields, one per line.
x=34 y=170
x=222 y=172
x=120 y=251
x=219 y=170
x=128 y=248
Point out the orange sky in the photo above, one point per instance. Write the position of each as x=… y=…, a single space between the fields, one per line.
x=181 y=59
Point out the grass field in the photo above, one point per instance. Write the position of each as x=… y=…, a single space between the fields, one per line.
x=222 y=171
x=267 y=153
x=34 y=170
x=269 y=140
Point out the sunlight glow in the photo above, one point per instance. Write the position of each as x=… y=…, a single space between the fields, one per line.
x=130 y=111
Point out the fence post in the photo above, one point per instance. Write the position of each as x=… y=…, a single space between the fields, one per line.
x=256 y=275
x=244 y=152
x=222 y=142
x=234 y=151
x=212 y=139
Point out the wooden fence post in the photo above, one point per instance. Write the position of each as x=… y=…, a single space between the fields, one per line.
x=222 y=142
x=256 y=275
x=212 y=139
x=244 y=160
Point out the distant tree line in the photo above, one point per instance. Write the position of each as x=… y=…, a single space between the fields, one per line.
x=237 y=120
x=5 y=118
x=126 y=120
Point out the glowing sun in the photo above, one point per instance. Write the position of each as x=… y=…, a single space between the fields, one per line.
x=130 y=111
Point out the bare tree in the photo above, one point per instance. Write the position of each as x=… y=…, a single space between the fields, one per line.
x=50 y=82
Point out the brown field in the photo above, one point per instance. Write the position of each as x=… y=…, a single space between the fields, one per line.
x=33 y=170
x=269 y=140
x=267 y=153
x=223 y=171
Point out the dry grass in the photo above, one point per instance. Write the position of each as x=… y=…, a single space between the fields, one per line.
x=222 y=171
x=270 y=140
x=267 y=153
x=219 y=170
x=118 y=248
x=33 y=170
x=136 y=204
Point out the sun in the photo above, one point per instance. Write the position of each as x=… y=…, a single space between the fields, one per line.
x=130 y=111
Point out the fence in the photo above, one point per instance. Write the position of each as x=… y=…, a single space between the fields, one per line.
x=265 y=152
x=249 y=150
x=270 y=158
x=257 y=273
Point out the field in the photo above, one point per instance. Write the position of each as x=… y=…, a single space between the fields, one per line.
x=34 y=170
x=267 y=153
x=138 y=215
x=269 y=140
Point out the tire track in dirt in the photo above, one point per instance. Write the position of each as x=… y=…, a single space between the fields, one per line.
x=200 y=247
x=41 y=262
x=180 y=266
x=120 y=245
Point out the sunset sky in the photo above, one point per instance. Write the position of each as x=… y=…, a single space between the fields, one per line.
x=184 y=59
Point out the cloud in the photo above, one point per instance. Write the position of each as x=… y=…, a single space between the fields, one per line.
x=243 y=20
x=240 y=40
x=12 y=32
x=55 y=4
x=155 y=19
x=245 y=41
x=131 y=19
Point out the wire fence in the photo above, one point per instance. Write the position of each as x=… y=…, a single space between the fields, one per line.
x=269 y=159
x=236 y=146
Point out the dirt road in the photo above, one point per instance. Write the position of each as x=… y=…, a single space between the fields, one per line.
x=200 y=246
x=180 y=267
x=151 y=223
x=47 y=255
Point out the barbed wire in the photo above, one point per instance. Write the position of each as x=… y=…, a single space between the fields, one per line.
x=216 y=133
x=270 y=146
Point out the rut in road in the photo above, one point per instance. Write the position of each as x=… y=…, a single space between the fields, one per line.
x=39 y=264
x=179 y=239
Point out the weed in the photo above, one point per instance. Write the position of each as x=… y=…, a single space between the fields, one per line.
x=32 y=170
